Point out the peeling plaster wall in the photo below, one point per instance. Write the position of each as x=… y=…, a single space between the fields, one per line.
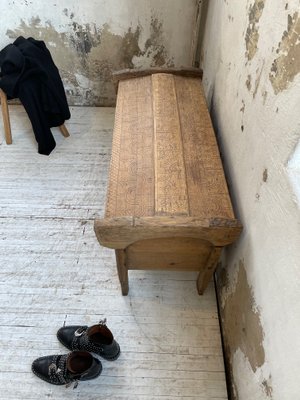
x=89 y=40
x=250 y=55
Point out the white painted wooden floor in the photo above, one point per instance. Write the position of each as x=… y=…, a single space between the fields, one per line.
x=53 y=271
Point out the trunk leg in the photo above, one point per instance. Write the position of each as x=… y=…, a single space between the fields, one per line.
x=205 y=276
x=122 y=271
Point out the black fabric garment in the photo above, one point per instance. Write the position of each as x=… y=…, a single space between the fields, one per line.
x=29 y=73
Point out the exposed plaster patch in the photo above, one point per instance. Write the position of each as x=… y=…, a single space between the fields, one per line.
x=287 y=65
x=243 y=334
x=62 y=54
x=252 y=34
x=241 y=321
x=111 y=51
x=86 y=55
x=154 y=47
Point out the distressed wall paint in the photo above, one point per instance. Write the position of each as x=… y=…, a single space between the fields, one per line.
x=287 y=65
x=252 y=34
x=258 y=130
x=244 y=333
x=90 y=40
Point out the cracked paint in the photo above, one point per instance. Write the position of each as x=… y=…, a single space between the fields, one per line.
x=287 y=65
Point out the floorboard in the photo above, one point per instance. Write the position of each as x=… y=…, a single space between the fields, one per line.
x=54 y=272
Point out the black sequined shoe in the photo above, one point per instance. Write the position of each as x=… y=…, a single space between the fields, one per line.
x=64 y=369
x=97 y=339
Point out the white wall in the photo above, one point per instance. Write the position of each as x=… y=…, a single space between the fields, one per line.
x=90 y=39
x=251 y=61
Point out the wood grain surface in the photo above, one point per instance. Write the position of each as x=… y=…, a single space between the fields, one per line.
x=165 y=157
x=170 y=178
x=131 y=181
x=206 y=184
x=120 y=232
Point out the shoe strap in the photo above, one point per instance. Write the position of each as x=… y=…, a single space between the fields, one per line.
x=81 y=341
x=80 y=331
x=58 y=369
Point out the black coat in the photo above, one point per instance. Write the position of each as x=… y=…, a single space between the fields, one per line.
x=29 y=73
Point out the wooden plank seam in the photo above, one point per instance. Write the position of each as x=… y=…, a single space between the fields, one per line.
x=182 y=146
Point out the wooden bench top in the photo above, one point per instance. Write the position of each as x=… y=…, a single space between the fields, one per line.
x=165 y=160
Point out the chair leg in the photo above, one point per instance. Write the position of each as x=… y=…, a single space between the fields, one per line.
x=5 y=115
x=64 y=130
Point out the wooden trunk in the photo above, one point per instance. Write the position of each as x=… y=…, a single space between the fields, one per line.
x=168 y=205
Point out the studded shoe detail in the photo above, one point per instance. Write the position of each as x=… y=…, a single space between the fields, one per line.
x=65 y=369
x=97 y=339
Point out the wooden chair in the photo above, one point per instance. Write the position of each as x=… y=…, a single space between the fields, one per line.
x=6 y=120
